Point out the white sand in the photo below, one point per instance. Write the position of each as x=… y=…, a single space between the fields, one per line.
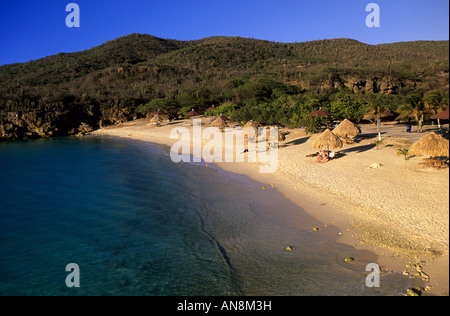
x=400 y=206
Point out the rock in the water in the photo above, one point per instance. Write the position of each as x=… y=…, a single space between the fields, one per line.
x=414 y=292
x=85 y=128
x=349 y=259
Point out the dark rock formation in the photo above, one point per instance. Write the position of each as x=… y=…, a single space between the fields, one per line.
x=65 y=120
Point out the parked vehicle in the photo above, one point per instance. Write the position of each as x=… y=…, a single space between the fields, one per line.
x=334 y=125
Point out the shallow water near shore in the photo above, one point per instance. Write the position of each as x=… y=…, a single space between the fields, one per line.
x=138 y=224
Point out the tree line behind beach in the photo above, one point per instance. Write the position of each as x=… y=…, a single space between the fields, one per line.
x=270 y=82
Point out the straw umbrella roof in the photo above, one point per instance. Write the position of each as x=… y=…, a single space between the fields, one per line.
x=441 y=116
x=252 y=123
x=253 y=126
x=156 y=119
x=211 y=108
x=219 y=122
x=347 y=129
x=159 y=112
x=432 y=145
x=165 y=117
x=320 y=112
x=192 y=113
x=327 y=140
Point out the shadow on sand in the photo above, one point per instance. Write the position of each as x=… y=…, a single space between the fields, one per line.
x=358 y=149
x=295 y=142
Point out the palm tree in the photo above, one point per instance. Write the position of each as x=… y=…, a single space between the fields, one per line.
x=435 y=99
x=435 y=102
x=404 y=152
x=376 y=108
x=415 y=107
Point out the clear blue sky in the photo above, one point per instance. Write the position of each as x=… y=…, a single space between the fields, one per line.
x=32 y=29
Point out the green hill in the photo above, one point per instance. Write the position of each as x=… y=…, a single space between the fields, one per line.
x=132 y=49
x=110 y=83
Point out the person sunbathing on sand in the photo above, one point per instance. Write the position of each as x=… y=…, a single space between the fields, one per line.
x=323 y=156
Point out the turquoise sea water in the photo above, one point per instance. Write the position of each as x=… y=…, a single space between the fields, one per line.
x=138 y=224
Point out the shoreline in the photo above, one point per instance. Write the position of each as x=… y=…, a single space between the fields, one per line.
x=360 y=225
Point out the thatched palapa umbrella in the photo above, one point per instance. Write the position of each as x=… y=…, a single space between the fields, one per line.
x=252 y=123
x=192 y=113
x=347 y=129
x=159 y=112
x=212 y=108
x=220 y=123
x=432 y=145
x=441 y=116
x=164 y=117
x=156 y=120
x=254 y=126
x=327 y=140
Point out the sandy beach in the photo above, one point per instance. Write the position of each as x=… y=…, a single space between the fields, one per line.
x=378 y=200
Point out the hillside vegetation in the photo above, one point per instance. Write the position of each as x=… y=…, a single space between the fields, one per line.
x=134 y=75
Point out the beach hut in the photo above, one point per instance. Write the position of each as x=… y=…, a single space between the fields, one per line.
x=441 y=116
x=251 y=129
x=192 y=113
x=432 y=145
x=226 y=119
x=159 y=112
x=165 y=118
x=347 y=130
x=327 y=140
x=322 y=113
x=220 y=123
x=212 y=108
x=156 y=120
x=252 y=123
